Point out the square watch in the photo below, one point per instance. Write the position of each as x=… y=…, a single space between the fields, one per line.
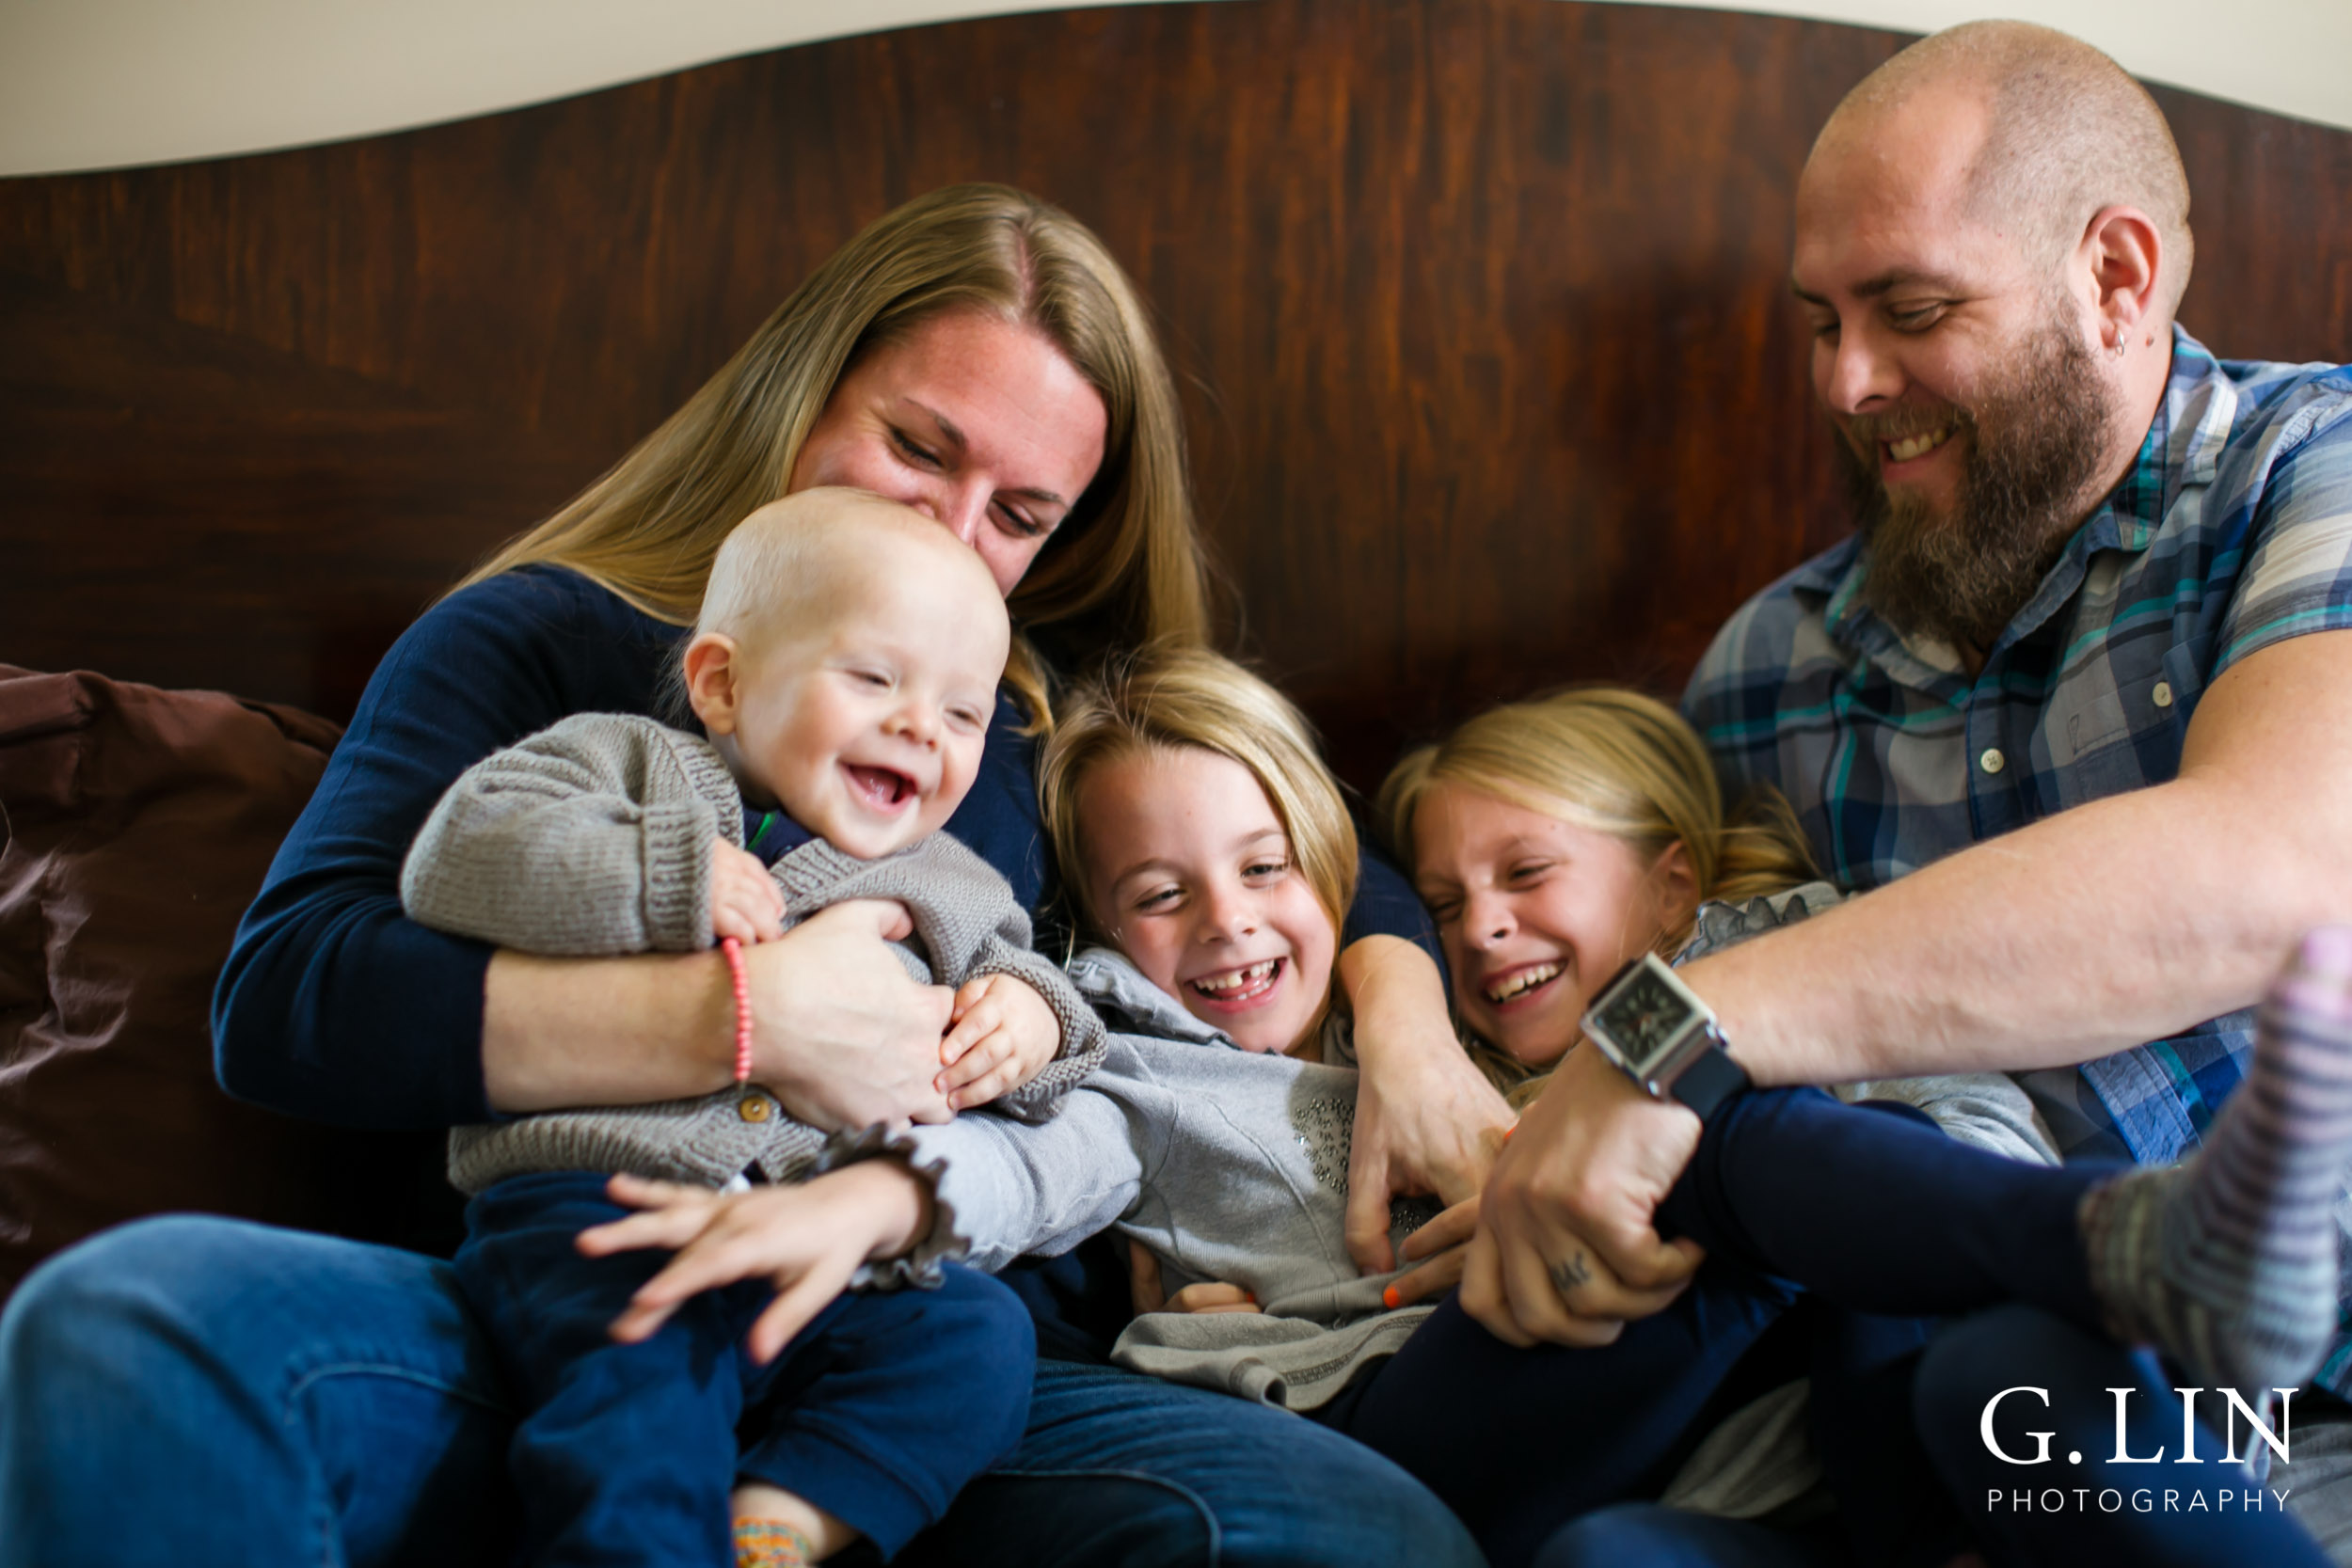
x=1661 y=1035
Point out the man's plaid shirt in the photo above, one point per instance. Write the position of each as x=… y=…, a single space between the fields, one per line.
x=2233 y=531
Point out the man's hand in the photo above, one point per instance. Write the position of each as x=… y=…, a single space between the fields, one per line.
x=1426 y=1119
x=745 y=901
x=1002 y=1036
x=843 y=1034
x=807 y=1240
x=1566 y=1247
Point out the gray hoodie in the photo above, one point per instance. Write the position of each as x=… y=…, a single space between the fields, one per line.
x=1233 y=1166
x=1230 y=1164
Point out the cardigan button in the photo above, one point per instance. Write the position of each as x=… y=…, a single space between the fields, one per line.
x=753 y=1107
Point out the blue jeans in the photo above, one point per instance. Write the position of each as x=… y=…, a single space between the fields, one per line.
x=255 y=1396
x=1654 y=1536
x=626 y=1453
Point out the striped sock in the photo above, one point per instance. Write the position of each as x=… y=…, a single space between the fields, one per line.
x=2227 y=1262
x=771 y=1544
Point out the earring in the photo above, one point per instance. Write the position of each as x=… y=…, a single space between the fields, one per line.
x=2119 y=348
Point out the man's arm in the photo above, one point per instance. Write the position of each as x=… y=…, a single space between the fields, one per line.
x=2117 y=922
x=2121 y=921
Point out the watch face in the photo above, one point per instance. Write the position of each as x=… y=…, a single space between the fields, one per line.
x=1645 y=1016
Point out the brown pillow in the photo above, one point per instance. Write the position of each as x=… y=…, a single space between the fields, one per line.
x=137 y=826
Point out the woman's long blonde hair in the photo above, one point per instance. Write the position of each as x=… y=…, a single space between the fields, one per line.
x=1125 y=567
x=1616 y=762
x=1168 y=697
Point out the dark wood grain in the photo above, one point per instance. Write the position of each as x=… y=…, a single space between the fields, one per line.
x=1480 y=308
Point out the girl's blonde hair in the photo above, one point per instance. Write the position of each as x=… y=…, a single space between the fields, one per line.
x=1615 y=762
x=1125 y=566
x=1164 y=698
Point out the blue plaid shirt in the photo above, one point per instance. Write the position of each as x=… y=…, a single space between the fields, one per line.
x=2232 y=532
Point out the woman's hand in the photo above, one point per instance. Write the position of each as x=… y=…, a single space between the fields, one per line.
x=1002 y=1036
x=745 y=901
x=807 y=1240
x=840 y=1032
x=1426 y=1119
x=843 y=1034
x=1566 y=1247
x=1441 y=1248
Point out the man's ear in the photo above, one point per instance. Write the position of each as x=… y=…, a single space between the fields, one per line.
x=2126 y=259
x=712 y=662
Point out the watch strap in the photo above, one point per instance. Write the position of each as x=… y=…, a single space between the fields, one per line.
x=1711 y=1078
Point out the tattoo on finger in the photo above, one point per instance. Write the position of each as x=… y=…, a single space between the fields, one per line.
x=1568 y=1275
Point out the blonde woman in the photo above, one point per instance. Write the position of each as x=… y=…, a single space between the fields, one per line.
x=197 y=1391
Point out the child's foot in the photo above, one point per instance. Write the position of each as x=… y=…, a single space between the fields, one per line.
x=2227 y=1262
x=771 y=1544
x=776 y=1529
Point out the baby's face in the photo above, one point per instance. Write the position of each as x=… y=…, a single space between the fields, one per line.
x=869 y=729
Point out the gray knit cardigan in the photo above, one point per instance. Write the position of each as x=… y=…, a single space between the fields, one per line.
x=592 y=837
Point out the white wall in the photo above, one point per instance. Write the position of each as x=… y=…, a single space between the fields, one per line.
x=96 y=84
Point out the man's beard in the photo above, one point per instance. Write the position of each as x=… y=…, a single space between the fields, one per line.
x=2034 y=446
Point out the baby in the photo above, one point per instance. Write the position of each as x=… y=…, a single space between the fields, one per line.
x=844 y=667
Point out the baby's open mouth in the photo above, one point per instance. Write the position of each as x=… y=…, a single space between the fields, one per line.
x=884 y=788
x=1519 y=982
x=1245 y=984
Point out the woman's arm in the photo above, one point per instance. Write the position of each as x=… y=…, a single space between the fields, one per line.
x=335 y=1007
x=840 y=1033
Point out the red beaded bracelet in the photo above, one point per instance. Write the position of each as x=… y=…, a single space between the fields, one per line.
x=734 y=950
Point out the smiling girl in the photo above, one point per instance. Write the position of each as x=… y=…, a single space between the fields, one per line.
x=1559 y=839
x=1211 y=853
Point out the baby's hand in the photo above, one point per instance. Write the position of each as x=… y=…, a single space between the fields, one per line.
x=1002 y=1035
x=745 y=902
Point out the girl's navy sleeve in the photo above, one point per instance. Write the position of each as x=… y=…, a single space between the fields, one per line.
x=1385 y=905
x=334 y=1005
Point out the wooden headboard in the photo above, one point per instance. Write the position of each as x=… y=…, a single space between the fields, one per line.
x=1480 y=308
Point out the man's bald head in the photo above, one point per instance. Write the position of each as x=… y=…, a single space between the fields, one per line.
x=2064 y=132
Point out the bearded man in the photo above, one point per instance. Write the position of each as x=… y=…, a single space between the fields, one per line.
x=2072 y=709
